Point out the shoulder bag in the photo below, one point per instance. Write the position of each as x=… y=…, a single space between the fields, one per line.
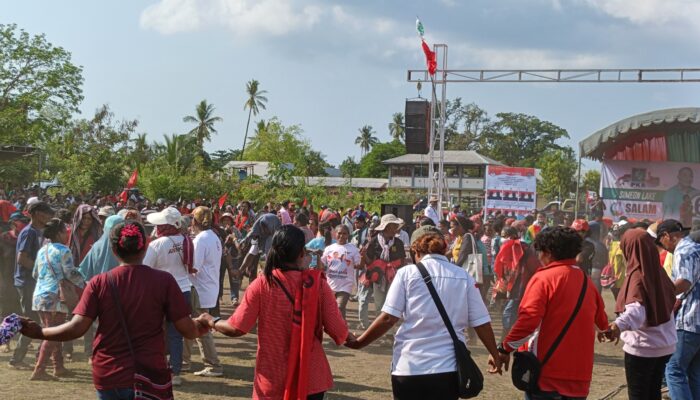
x=149 y=383
x=474 y=263
x=68 y=292
x=470 y=379
x=526 y=368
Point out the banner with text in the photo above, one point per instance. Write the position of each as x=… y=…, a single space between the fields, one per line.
x=651 y=190
x=512 y=190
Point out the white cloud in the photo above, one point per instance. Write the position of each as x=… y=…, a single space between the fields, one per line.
x=242 y=17
x=651 y=12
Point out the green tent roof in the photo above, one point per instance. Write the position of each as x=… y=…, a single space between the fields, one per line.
x=596 y=145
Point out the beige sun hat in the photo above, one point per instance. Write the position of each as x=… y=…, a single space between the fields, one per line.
x=388 y=219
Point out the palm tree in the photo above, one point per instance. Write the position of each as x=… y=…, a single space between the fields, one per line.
x=396 y=126
x=141 y=151
x=256 y=101
x=176 y=151
x=205 y=123
x=366 y=139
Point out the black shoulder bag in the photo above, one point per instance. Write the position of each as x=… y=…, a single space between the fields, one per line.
x=470 y=379
x=526 y=368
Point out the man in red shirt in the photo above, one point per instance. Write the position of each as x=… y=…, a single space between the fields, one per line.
x=548 y=302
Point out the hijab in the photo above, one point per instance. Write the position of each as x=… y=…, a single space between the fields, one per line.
x=645 y=281
x=93 y=233
x=100 y=258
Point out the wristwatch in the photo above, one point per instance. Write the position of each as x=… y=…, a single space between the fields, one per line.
x=214 y=321
x=502 y=349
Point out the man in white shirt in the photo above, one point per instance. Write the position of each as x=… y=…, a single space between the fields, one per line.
x=431 y=211
x=207 y=262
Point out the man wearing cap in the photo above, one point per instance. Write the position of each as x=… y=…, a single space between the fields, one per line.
x=431 y=211
x=172 y=252
x=683 y=369
x=386 y=248
x=29 y=242
x=207 y=262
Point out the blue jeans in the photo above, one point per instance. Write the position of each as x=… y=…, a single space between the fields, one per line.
x=175 y=342
x=116 y=394
x=510 y=314
x=683 y=369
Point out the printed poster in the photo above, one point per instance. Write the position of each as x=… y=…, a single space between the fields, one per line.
x=512 y=190
x=651 y=190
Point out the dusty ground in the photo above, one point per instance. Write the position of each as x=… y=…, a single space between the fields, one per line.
x=358 y=374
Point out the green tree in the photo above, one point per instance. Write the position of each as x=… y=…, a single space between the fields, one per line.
x=349 y=167
x=520 y=140
x=465 y=125
x=366 y=139
x=40 y=88
x=91 y=154
x=220 y=158
x=558 y=173
x=371 y=164
x=591 y=180
x=176 y=152
x=256 y=100
x=397 y=126
x=140 y=151
x=204 y=121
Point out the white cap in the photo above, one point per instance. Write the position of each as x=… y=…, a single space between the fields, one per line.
x=32 y=200
x=169 y=216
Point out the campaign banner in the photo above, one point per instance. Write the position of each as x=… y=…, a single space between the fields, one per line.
x=512 y=190
x=651 y=190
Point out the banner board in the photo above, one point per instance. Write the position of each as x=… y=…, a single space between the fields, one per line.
x=512 y=190
x=651 y=190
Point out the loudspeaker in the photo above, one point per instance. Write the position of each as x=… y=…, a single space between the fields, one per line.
x=417 y=126
x=403 y=211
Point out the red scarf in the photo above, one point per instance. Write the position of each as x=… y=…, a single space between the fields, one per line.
x=306 y=327
x=187 y=245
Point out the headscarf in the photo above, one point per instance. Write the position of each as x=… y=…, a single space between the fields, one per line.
x=645 y=281
x=94 y=232
x=187 y=245
x=100 y=258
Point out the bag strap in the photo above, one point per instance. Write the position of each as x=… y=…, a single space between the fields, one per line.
x=122 y=320
x=48 y=262
x=473 y=240
x=438 y=303
x=559 y=338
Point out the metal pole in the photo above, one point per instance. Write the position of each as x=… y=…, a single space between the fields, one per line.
x=443 y=109
x=578 y=183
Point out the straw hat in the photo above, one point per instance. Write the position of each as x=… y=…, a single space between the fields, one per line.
x=388 y=219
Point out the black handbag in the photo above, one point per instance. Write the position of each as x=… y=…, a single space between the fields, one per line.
x=470 y=379
x=526 y=368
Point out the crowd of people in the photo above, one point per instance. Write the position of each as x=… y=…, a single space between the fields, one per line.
x=154 y=272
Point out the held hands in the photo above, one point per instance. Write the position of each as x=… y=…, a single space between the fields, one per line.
x=31 y=329
x=206 y=321
x=496 y=363
x=351 y=342
x=611 y=334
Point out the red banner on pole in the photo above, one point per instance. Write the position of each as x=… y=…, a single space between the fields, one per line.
x=133 y=179
x=222 y=200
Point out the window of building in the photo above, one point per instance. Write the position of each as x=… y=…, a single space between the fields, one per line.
x=420 y=171
x=451 y=171
x=472 y=172
x=401 y=171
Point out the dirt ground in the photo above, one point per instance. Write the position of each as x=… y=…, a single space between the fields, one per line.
x=361 y=374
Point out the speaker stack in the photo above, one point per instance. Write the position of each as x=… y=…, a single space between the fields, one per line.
x=417 y=126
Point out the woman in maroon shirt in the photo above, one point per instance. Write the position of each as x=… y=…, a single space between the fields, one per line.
x=290 y=362
x=147 y=296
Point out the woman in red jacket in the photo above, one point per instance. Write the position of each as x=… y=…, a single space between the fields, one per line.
x=549 y=299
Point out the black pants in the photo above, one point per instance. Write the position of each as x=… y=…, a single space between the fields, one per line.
x=420 y=387
x=316 y=396
x=644 y=376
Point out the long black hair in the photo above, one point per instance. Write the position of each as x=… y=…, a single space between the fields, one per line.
x=326 y=228
x=287 y=244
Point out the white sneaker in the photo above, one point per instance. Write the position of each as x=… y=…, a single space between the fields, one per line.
x=210 y=372
x=177 y=380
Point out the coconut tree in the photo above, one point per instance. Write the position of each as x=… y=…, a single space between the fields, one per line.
x=366 y=139
x=204 y=120
x=256 y=101
x=397 y=127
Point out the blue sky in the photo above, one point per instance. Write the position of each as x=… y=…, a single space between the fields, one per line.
x=334 y=66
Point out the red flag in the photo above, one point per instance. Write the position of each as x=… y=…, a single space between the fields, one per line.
x=305 y=203
x=133 y=179
x=124 y=196
x=430 y=58
x=222 y=200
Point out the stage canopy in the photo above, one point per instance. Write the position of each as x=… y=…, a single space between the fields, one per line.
x=663 y=135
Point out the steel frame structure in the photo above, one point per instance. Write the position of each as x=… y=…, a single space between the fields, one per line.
x=437 y=182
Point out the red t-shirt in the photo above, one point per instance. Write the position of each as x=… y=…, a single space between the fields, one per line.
x=147 y=296
x=270 y=307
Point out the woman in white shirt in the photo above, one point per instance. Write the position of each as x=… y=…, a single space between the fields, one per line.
x=341 y=259
x=424 y=364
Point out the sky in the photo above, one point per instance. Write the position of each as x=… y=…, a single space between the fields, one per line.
x=334 y=66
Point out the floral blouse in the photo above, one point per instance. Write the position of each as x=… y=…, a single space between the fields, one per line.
x=58 y=257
